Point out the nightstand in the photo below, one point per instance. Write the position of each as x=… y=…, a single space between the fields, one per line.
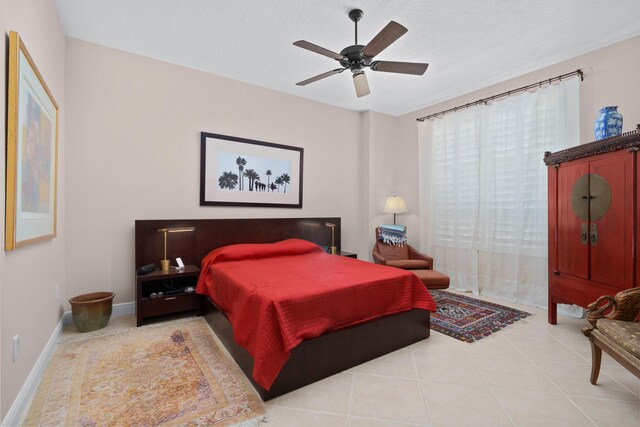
x=347 y=254
x=174 y=298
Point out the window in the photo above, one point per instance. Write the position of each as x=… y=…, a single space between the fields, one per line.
x=484 y=185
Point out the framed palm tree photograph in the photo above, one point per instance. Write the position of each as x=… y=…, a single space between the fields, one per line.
x=245 y=172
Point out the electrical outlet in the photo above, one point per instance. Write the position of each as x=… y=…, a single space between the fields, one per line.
x=16 y=347
x=57 y=293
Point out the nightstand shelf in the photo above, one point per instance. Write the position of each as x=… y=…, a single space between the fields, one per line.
x=347 y=254
x=163 y=292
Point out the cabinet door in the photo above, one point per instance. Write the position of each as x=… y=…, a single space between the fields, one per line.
x=611 y=256
x=573 y=248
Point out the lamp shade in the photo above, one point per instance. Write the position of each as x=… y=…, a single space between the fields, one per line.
x=361 y=83
x=394 y=205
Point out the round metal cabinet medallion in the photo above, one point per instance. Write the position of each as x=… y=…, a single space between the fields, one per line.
x=590 y=194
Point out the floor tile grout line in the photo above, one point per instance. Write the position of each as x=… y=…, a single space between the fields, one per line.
x=604 y=399
x=587 y=363
x=578 y=406
x=401 y=423
x=427 y=351
x=582 y=361
x=318 y=411
x=315 y=411
x=422 y=396
x=274 y=402
x=491 y=388
x=604 y=370
x=555 y=385
x=350 y=404
x=392 y=377
x=569 y=348
x=486 y=383
x=389 y=376
x=536 y=367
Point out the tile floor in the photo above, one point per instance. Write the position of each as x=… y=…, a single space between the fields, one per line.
x=529 y=374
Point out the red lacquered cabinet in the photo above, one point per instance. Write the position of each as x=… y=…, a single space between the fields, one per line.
x=594 y=209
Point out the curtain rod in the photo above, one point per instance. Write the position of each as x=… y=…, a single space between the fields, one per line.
x=578 y=72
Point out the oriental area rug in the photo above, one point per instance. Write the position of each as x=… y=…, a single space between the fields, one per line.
x=469 y=319
x=174 y=373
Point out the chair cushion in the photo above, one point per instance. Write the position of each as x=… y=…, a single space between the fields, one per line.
x=627 y=334
x=409 y=264
x=392 y=252
x=432 y=279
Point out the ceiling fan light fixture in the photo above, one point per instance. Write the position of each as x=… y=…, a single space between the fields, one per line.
x=361 y=84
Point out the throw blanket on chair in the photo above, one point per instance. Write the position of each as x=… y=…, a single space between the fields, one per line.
x=393 y=234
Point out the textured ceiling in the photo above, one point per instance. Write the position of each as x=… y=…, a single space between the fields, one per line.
x=469 y=44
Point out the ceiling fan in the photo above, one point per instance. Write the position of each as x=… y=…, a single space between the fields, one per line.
x=357 y=57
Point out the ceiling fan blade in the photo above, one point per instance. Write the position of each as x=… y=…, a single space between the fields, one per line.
x=361 y=83
x=383 y=39
x=417 y=68
x=317 y=49
x=320 y=76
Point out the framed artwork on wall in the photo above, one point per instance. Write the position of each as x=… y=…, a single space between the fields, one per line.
x=245 y=172
x=32 y=152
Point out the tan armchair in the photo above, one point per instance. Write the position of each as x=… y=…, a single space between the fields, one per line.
x=617 y=333
x=408 y=258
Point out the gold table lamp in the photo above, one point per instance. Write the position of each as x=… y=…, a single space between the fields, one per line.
x=164 y=262
x=333 y=237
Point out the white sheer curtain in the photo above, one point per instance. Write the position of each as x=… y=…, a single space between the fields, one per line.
x=483 y=188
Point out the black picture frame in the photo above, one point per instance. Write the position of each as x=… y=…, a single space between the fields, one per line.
x=245 y=172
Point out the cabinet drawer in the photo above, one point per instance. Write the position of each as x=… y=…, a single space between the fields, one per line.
x=168 y=304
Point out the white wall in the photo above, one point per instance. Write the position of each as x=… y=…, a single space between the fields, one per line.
x=610 y=78
x=134 y=153
x=29 y=275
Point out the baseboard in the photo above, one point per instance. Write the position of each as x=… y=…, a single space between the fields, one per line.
x=18 y=409
x=123 y=309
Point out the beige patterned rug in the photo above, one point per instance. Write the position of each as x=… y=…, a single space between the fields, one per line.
x=173 y=373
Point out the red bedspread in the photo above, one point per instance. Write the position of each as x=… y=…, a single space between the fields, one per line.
x=277 y=295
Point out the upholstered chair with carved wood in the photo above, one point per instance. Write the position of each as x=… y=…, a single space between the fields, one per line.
x=617 y=333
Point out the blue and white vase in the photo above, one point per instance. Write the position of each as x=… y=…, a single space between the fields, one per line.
x=608 y=123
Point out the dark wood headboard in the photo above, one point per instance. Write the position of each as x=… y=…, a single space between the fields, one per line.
x=214 y=233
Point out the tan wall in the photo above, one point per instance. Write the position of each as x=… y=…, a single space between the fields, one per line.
x=134 y=153
x=610 y=78
x=388 y=176
x=29 y=275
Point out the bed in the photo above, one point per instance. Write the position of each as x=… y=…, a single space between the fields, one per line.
x=308 y=357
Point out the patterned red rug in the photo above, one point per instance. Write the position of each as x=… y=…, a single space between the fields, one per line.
x=470 y=319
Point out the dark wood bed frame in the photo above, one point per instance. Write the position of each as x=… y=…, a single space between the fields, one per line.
x=311 y=360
